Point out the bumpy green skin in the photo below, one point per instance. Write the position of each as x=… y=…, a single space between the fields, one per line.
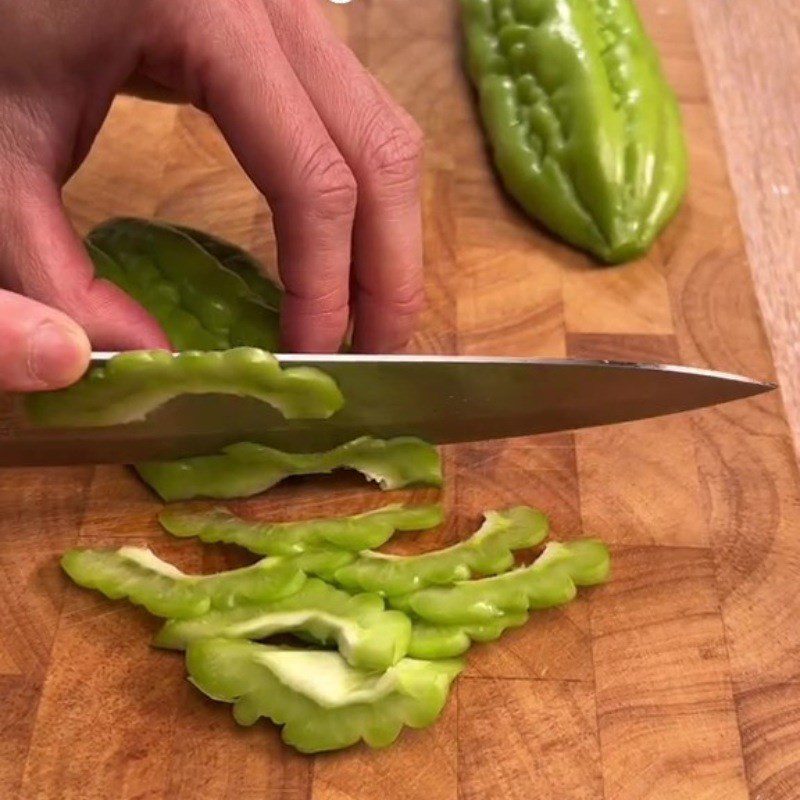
x=585 y=130
x=488 y=551
x=133 y=384
x=246 y=469
x=550 y=581
x=234 y=671
x=201 y=304
x=447 y=641
x=239 y=261
x=367 y=636
x=357 y=532
x=137 y=574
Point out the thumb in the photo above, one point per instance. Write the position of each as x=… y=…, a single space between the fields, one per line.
x=43 y=258
x=40 y=348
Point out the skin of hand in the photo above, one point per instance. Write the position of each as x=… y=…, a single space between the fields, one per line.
x=338 y=161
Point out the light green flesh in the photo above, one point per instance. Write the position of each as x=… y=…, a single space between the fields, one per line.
x=550 y=581
x=246 y=469
x=489 y=550
x=322 y=703
x=150 y=561
x=367 y=635
x=143 y=578
x=326 y=678
x=447 y=641
x=268 y=624
x=132 y=385
x=357 y=532
x=494 y=523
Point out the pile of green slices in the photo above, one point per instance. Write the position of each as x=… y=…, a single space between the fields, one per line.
x=379 y=636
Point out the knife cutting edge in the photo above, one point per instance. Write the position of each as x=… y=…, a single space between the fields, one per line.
x=440 y=399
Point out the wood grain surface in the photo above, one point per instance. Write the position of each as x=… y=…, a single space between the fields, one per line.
x=752 y=54
x=680 y=679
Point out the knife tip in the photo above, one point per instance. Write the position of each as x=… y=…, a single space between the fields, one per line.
x=753 y=388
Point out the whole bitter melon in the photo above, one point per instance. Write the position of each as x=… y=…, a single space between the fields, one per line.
x=585 y=131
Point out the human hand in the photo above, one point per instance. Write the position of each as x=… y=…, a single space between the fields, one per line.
x=336 y=158
x=40 y=348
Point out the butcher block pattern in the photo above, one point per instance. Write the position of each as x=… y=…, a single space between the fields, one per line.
x=679 y=679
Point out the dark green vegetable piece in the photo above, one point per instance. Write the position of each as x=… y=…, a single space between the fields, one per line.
x=365 y=633
x=133 y=384
x=321 y=701
x=585 y=130
x=239 y=261
x=201 y=304
x=246 y=469
x=141 y=576
x=357 y=532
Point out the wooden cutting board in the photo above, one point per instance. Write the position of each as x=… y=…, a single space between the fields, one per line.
x=680 y=679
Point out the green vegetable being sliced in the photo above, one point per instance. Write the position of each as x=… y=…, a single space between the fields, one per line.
x=365 y=633
x=200 y=303
x=488 y=551
x=183 y=329
x=133 y=384
x=321 y=701
x=141 y=576
x=238 y=260
x=246 y=469
x=357 y=532
x=550 y=581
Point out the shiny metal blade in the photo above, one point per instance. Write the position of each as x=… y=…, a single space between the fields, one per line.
x=441 y=399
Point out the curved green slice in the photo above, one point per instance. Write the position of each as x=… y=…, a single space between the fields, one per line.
x=447 y=641
x=550 y=581
x=237 y=260
x=246 y=469
x=141 y=576
x=585 y=130
x=356 y=532
x=365 y=633
x=321 y=701
x=133 y=384
x=200 y=303
x=488 y=551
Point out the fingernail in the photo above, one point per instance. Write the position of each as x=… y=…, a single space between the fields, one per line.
x=57 y=354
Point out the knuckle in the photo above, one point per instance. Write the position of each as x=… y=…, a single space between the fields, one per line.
x=330 y=301
x=320 y=314
x=410 y=302
x=328 y=185
x=406 y=300
x=394 y=153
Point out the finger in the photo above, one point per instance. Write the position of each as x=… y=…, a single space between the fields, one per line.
x=271 y=125
x=40 y=348
x=42 y=257
x=383 y=147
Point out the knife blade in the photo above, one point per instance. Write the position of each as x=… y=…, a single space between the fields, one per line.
x=440 y=399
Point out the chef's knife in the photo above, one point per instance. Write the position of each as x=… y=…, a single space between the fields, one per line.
x=440 y=399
